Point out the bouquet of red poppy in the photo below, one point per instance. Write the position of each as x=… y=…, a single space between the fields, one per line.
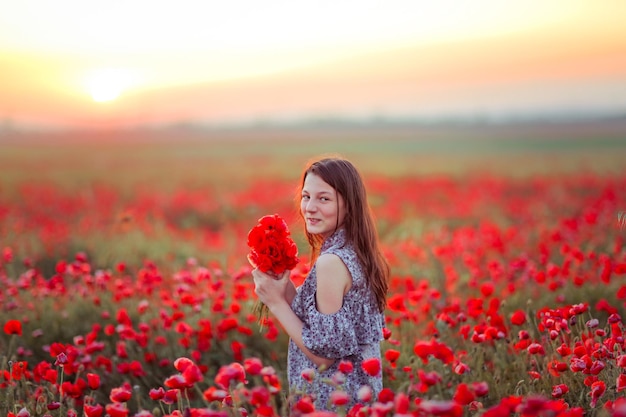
x=271 y=250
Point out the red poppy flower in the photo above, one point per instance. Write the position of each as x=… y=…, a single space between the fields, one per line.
x=439 y=350
x=93 y=381
x=577 y=365
x=386 y=395
x=518 y=318
x=339 y=398
x=559 y=390
x=182 y=363
x=272 y=249
x=23 y=413
x=308 y=374
x=480 y=388
x=346 y=367
x=252 y=366
x=305 y=405
x=117 y=410
x=192 y=374
x=176 y=381
x=259 y=396
x=123 y=317
x=19 y=369
x=596 y=367
x=214 y=394
x=13 y=327
x=386 y=333
x=402 y=404
x=620 y=384
x=423 y=350
x=597 y=390
x=171 y=396
x=392 y=355
x=564 y=350
x=442 y=352
x=54 y=405
x=157 y=394
x=7 y=255
x=93 y=410
x=428 y=379
x=536 y=349
x=234 y=372
x=371 y=366
x=461 y=368
x=120 y=395
x=463 y=394
x=487 y=289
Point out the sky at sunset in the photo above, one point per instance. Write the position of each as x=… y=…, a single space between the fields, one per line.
x=123 y=63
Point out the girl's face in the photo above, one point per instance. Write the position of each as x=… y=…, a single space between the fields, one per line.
x=322 y=207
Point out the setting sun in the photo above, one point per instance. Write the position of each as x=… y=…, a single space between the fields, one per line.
x=107 y=84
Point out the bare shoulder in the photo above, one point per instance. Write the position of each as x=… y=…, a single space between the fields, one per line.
x=331 y=271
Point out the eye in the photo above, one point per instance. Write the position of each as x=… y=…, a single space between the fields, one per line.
x=325 y=199
x=305 y=197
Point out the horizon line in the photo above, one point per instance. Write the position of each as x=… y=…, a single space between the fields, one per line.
x=7 y=125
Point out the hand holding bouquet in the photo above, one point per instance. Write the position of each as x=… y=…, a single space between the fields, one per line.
x=271 y=250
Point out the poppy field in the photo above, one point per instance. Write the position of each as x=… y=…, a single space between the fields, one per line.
x=125 y=287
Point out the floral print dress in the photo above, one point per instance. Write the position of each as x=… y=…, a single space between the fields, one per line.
x=353 y=333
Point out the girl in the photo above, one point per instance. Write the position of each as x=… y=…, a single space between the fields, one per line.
x=336 y=316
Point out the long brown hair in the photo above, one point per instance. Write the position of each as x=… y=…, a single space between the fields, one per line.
x=358 y=222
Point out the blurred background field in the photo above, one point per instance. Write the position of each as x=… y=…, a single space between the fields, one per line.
x=196 y=156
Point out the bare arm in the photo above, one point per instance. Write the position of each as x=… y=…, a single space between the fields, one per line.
x=333 y=282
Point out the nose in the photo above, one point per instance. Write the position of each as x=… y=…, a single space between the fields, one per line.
x=310 y=206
